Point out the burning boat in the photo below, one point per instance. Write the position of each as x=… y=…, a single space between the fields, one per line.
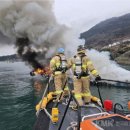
x=41 y=71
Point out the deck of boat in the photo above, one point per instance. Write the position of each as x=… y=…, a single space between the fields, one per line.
x=44 y=123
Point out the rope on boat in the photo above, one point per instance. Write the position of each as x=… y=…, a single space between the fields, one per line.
x=47 y=113
x=73 y=125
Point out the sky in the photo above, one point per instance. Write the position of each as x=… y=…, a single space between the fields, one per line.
x=86 y=13
x=81 y=15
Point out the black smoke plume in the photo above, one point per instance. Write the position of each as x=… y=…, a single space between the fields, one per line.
x=26 y=53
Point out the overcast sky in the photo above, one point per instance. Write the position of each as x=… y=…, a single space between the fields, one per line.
x=86 y=13
x=83 y=14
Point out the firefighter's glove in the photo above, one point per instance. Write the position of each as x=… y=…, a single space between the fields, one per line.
x=98 y=78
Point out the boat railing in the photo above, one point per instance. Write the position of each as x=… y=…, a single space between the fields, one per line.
x=113 y=83
x=95 y=115
x=44 y=94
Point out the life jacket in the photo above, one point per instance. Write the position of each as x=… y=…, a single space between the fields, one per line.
x=62 y=64
x=79 y=67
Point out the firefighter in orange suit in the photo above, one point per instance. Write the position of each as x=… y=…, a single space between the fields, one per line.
x=81 y=66
x=58 y=66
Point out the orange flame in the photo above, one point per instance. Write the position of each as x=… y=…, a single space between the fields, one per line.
x=44 y=71
x=39 y=71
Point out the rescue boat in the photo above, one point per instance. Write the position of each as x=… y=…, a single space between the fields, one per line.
x=66 y=114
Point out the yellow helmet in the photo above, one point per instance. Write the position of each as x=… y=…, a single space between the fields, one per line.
x=81 y=49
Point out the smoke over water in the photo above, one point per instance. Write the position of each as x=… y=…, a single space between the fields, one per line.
x=108 y=69
x=33 y=26
x=35 y=30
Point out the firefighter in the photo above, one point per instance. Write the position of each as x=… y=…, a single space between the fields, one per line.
x=82 y=66
x=58 y=66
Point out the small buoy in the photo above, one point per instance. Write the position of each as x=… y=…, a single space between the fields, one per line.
x=108 y=105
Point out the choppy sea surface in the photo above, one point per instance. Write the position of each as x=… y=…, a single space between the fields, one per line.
x=19 y=94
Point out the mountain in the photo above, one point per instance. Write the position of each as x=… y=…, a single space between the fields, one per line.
x=13 y=57
x=107 y=32
x=111 y=35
